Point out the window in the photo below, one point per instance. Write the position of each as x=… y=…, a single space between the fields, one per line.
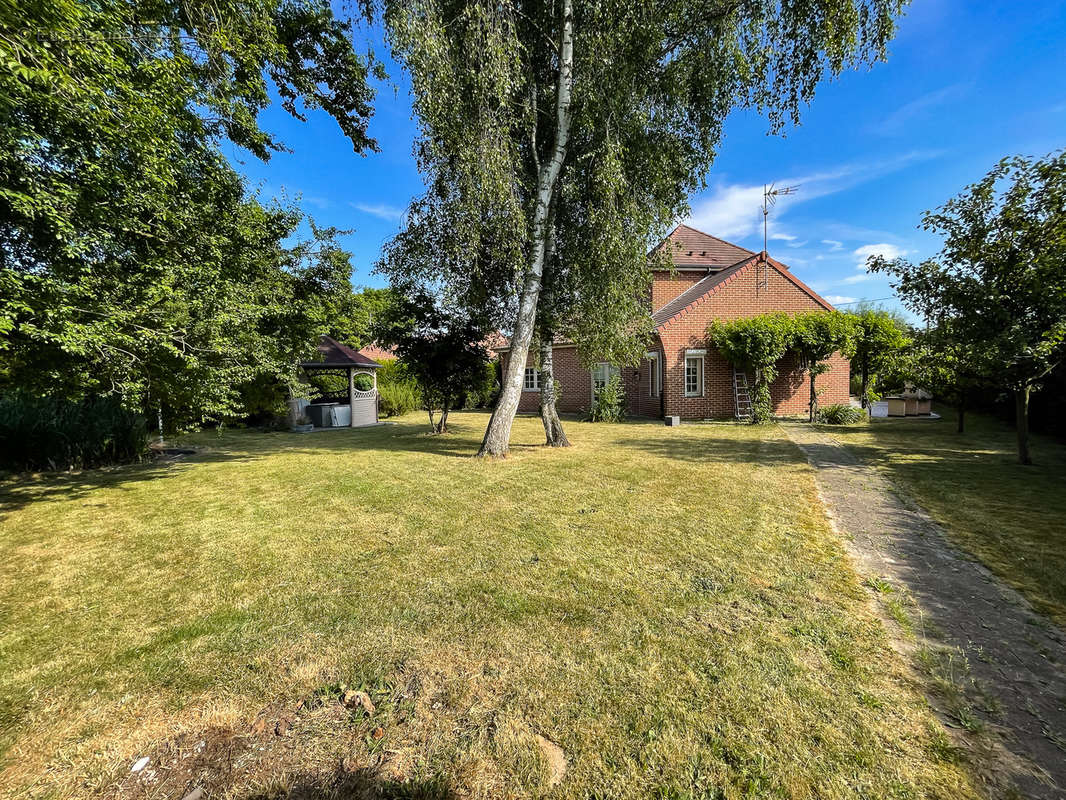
x=532 y=380
x=655 y=375
x=601 y=373
x=694 y=373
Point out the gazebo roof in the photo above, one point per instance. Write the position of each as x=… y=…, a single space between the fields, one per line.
x=332 y=354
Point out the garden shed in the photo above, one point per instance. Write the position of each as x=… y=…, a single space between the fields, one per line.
x=356 y=407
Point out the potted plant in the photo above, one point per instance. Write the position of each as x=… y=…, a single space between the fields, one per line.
x=303 y=424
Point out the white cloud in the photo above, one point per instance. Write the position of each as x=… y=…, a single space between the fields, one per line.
x=840 y=299
x=861 y=254
x=883 y=249
x=834 y=245
x=783 y=237
x=853 y=279
x=731 y=212
x=380 y=210
x=896 y=122
x=735 y=210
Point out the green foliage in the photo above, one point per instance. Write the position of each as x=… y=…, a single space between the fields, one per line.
x=759 y=343
x=483 y=387
x=398 y=399
x=49 y=434
x=881 y=339
x=998 y=283
x=756 y=344
x=397 y=390
x=392 y=371
x=840 y=414
x=336 y=384
x=941 y=360
x=264 y=401
x=609 y=404
x=816 y=335
x=441 y=349
x=357 y=316
x=132 y=260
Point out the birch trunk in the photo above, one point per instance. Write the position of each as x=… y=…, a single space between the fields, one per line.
x=554 y=435
x=1021 y=421
x=498 y=434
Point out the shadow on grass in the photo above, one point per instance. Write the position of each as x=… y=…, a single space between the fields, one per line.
x=357 y=785
x=722 y=448
x=21 y=490
x=241 y=445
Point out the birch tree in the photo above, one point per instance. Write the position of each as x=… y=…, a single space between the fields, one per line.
x=592 y=122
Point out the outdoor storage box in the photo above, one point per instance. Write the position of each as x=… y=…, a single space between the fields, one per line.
x=321 y=414
x=897 y=406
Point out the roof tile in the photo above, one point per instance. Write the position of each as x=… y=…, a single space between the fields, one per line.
x=333 y=353
x=689 y=247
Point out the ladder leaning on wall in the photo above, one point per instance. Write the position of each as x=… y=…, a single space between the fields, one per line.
x=741 y=395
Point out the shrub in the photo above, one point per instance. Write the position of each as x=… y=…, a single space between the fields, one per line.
x=46 y=434
x=397 y=389
x=610 y=402
x=841 y=414
x=483 y=389
x=363 y=382
x=398 y=399
x=265 y=402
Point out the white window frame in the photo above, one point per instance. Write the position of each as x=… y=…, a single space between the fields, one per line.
x=602 y=365
x=698 y=356
x=531 y=385
x=655 y=373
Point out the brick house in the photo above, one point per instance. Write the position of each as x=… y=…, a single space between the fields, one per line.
x=682 y=374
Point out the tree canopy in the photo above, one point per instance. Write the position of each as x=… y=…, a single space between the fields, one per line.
x=816 y=335
x=133 y=259
x=587 y=125
x=999 y=282
x=880 y=338
x=442 y=350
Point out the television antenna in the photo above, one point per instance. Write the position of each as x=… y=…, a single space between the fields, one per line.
x=770 y=193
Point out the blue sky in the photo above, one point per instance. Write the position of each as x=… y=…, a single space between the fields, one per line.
x=965 y=84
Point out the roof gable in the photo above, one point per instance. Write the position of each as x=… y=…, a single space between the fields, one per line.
x=692 y=249
x=714 y=282
x=696 y=291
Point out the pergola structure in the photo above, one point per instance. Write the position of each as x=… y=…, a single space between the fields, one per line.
x=339 y=359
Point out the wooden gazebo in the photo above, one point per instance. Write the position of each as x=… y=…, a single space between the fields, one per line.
x=339 y=359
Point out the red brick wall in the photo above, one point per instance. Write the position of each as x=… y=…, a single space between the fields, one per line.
x=574 y=381
x=665 y=287
x=575 y=384
x=740 y=297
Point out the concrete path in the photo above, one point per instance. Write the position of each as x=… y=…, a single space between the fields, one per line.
x=1017 y=658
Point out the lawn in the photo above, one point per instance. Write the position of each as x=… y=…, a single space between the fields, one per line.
x=1011 y=517
x=667 y=605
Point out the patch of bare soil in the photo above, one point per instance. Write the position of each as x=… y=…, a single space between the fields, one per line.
x=994 y=669
x=329 y=745
x=556 y=759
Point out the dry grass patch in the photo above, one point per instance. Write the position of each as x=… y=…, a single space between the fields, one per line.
x=668 y=606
